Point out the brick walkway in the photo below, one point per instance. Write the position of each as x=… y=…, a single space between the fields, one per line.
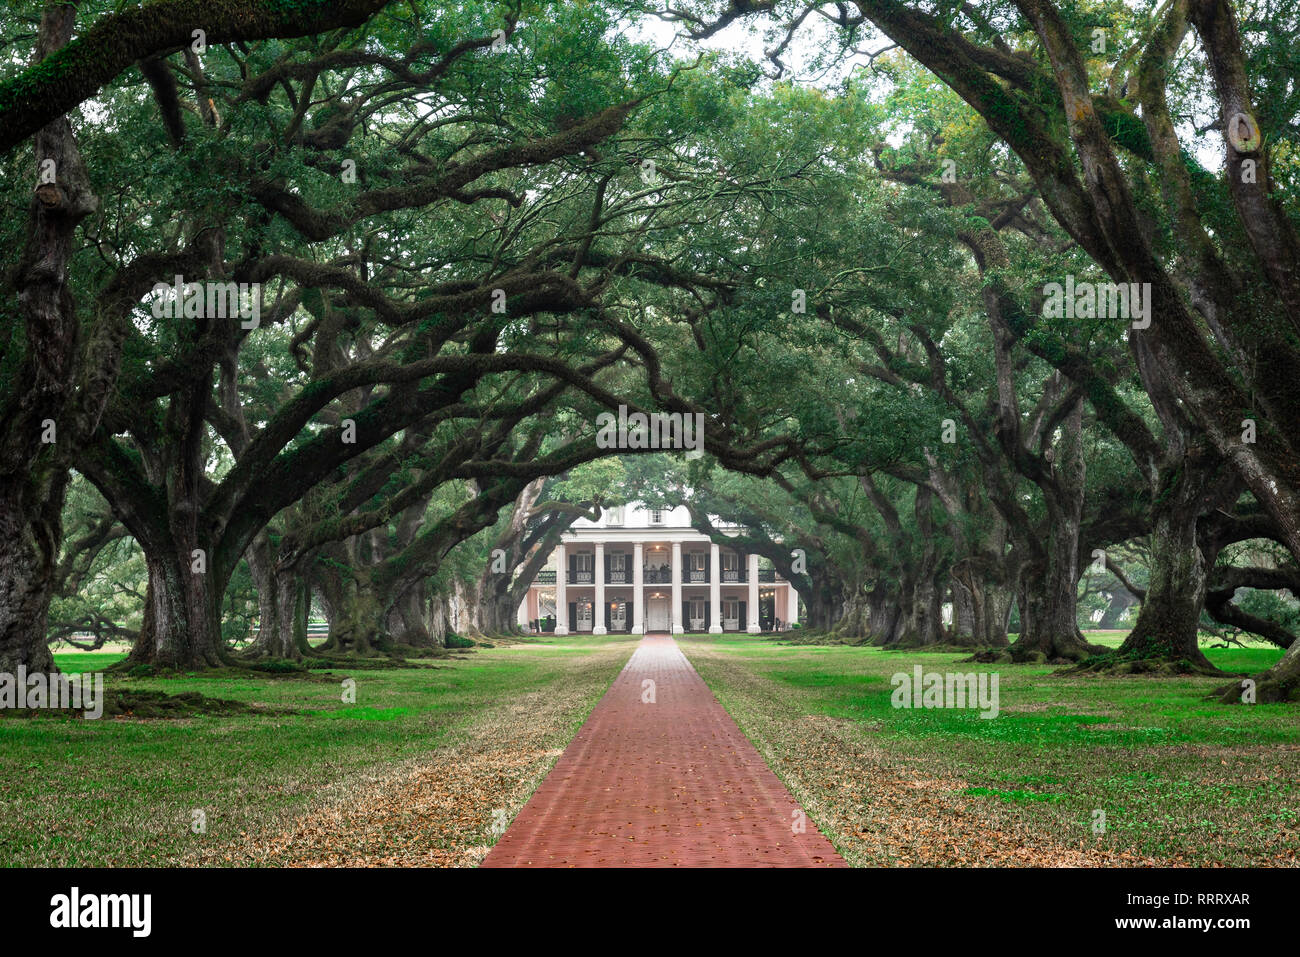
x=669 y=784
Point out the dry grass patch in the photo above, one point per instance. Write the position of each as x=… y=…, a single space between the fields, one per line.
x=448 y=809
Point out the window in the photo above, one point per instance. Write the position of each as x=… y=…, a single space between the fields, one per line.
x=731 y=567
x=697 y=609
x=656 y=516
x=697 y=561
x=615 y=516
x=618 y=562
x=582 y=562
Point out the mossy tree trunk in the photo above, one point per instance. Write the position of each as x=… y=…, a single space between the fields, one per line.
x=183 y=618
x=29 y=542
x=1168 y=623
x=45 y=410
x=823 y=611
x=277 y=603
x=416 y=619
x=885 y=616
x=1049 y=611
x=853 y=614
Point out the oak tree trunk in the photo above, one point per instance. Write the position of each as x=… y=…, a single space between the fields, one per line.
x=1168 y=623
x=29 y=544
x=183 y=617
x=1049 y=622
x=886 y=617
x=42 y=422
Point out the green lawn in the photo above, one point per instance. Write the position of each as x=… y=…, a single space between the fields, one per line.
x=122 y=791
x=1180 y=779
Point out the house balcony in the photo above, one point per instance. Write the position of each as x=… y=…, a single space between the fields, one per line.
x=618 y=578
x=733 y=577
x=582 y=578
x=658 y=576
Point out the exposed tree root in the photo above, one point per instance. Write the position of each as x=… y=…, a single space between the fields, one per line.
x=818 y=636
x=1118 y=664
x=1004 y=656
x=152 y=704
x=1268 y=690
x=262 y=668
x=371 y=663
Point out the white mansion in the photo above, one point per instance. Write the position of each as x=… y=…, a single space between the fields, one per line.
x=639 y=570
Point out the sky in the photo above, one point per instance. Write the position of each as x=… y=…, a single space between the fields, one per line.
x=746 y=36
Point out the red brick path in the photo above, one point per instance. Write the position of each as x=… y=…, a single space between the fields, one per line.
x=669 y=784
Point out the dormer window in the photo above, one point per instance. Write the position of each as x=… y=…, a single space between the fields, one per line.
x=656 y=516
x=615 y=516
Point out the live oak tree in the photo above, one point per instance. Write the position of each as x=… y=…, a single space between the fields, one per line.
x=1191 y=489
x=776 y=526
x=517 y=547
x=63 y=336
x=1091 y=365
x=1098 y=135
x=64 y=355
x=473 y=228
x=420 y=353
x=276 y=137
x=1094 y=127
x=47 y=387
x=96 y=599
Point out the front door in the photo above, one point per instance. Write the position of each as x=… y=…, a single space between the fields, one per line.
x=584 y=616
x=657 y=614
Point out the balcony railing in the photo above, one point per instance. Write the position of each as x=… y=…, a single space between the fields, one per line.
x=657 y=576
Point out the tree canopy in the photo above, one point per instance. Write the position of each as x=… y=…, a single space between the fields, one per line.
x=311 y=309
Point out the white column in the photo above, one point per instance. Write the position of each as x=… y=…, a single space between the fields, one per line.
x=752 y=605
x=715 y=591
x=561 y=591
x=677 y=588
x=598 y=626
x=638 y=592
x=793 y=600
